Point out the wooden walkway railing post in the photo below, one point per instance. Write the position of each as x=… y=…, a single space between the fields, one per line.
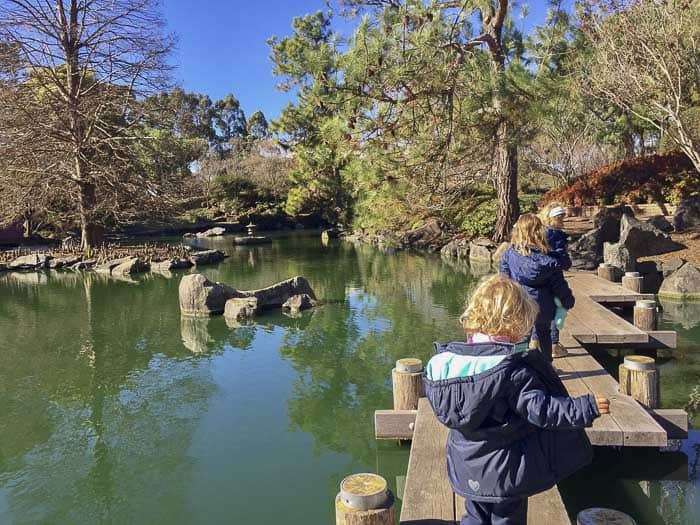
x=598 y=516
x=640 y=379
x=645 y=315
x=364 y=499
x=633 y=282
x=407 y=382
x=607 y=271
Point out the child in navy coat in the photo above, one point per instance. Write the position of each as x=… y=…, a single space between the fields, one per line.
x=514 y=431
x=552 y=216
x=528 y=263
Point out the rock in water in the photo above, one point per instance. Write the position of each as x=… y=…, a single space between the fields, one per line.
x=659 y=222
x=250 y=239
x=170 y=264
x=207 y=257
x=200 y=297
x=687 y=214
x=684 y=283
x=213 y=232
x=587 y=251
x=426 y=237
x=482 y=250
x=241 y=308
x=132 y=266
x=642 y=239
x=64 y=262
x=278 y=294
x=34 y=261
x=111 y=265
x=297 y=303
x=456 y=249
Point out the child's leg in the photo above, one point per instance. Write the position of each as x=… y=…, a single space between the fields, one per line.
x=545 y=338
x=554 y=331
x=478 y=513
x=511 y=512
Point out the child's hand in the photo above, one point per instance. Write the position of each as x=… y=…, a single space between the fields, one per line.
x=560 y=317
x=603 y=404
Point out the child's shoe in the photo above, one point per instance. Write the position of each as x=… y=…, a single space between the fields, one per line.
x=559 y=351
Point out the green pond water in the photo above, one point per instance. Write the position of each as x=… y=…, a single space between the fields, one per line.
x=114 y=410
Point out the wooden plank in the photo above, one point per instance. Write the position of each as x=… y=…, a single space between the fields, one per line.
x=428 y=497
x=600 y=290
x=609 y=328
x=394 y=424
x=673 y=420
x=638 y=427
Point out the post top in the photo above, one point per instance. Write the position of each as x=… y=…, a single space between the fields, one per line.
x=632 y=274
x=364 y=491
x=645 y=303
x=599 y=516
x=605 y=265
x=409 y=365
x=639 y=362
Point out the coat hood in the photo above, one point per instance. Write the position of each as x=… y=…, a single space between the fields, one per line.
x=533 y=270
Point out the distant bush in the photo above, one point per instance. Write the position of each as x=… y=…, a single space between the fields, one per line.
x=668 y=177
x=480 y=221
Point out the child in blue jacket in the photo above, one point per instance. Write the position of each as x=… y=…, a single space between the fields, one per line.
x=528 y=263
x=552 y=216
x=514 y=431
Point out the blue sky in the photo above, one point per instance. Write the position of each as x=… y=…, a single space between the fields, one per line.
x=222 y=46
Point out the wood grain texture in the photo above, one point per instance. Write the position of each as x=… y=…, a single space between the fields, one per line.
x=673 y=420
x=641 y=385
x=347 y=516
x=407 y=388
x=394 y=424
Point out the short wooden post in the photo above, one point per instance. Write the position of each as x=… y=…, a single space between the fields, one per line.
x=598 y=516
x=407 y=383
x=364 y=499
x=633 y=281
x=639 y=378
x=607 y=271
x=645 y=315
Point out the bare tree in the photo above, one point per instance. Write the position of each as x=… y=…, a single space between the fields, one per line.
x=645 y=59
x=70 y=124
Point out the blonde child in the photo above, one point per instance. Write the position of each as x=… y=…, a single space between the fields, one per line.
x=528 y=263
x=514 y=431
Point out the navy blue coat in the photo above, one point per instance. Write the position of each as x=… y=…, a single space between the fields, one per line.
x=542 y=278
x=558 y=241
x=514 y=431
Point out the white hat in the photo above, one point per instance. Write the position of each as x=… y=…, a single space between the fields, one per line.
x=557 y=211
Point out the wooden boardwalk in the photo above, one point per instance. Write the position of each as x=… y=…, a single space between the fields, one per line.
x=428 y=498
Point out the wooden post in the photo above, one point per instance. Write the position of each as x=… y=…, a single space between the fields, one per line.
x=598 y=516
x=639 y=378
x=364 y=499
x=407 y=381
x=607 y=271
x=645 y=315
x=633 y=281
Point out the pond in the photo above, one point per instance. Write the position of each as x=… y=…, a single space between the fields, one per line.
x=114 y=410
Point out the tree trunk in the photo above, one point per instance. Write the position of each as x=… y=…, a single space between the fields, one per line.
x=88 y=230
x=506 y=176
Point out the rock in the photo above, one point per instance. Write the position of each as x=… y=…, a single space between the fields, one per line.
x=34 y=261
x=64 y=262
x=618 y=256
x=456 y=249
x=498 y=254
x=651 y=271
x=111 y=265
x=587 y=251
x=278 y=294
x=687 y=214
x=659 y=222
x=243 y=241
x=200 y=297
x=189 y=235
x=207 y=257
x=672 y=265
x=131 y=266
x=241 y=308
x=684 y=283
x=85 y=264
x=170 y=264
x=481 y=250
x=331 y=233
x=297 y=303
x=608 y=220
x=212 y=232
x=426 y=237
x=69 y=243
x=642 y=239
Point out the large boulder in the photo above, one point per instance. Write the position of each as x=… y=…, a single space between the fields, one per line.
x=456 y=249
x=608 y=220
x=200 y=297
x=426 y=237
x=107 y=267
x=482 y=250
x=64 y=262
x=85 y=264
x=687 y=214
x=213 y=232
x=671 y=266
x=659 y=222
x=684 y=283
x=587 y=251
x=276 y=295
x=34 y=261
x=643 y=239
x=241 y=308
x=167 y=265
x=297 y=303
x=206 y=257
x=131 y=266
x=617 y=255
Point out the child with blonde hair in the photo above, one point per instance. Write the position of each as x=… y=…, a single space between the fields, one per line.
x=528 y=263
x=514 y=431
x=552 y=216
